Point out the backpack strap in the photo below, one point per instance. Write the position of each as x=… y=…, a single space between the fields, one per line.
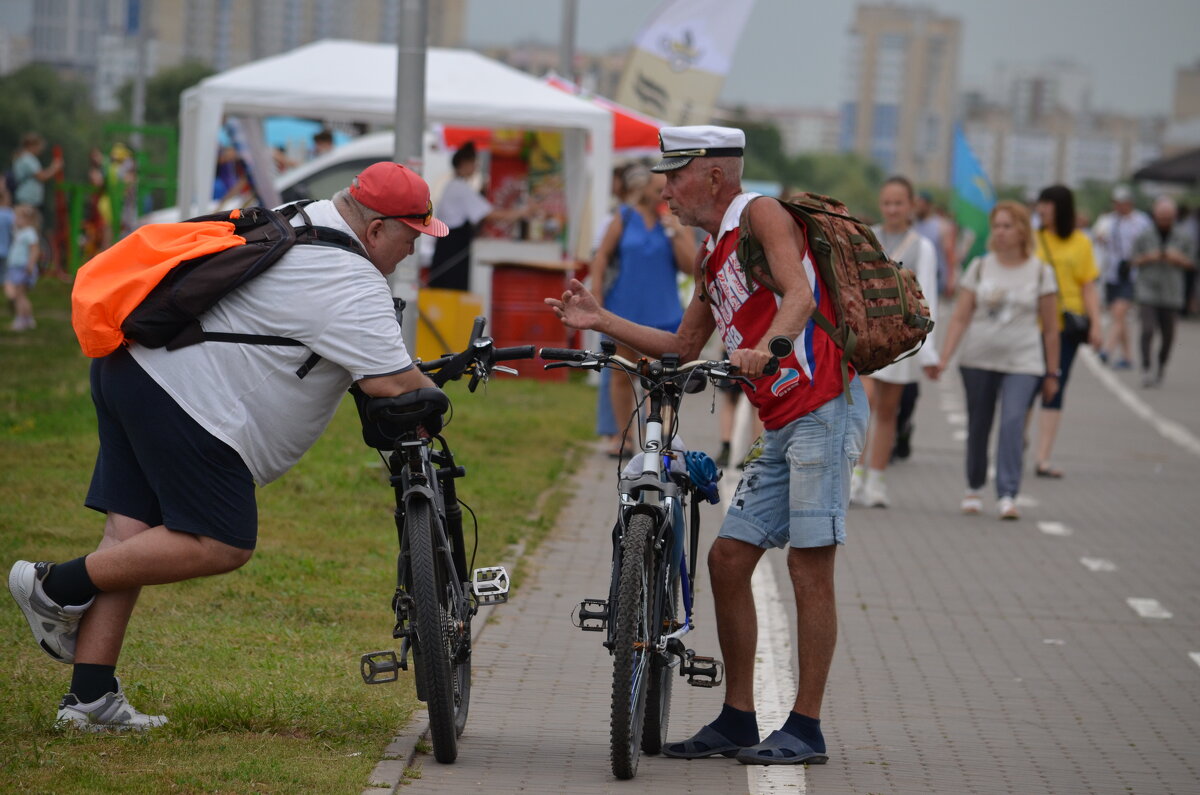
x=753 y=260
x=309 y=235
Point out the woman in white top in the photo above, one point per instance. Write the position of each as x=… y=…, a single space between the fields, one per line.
x=1003 y=298
x=885 y=387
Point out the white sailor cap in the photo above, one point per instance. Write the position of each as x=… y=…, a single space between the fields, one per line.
x=680 y=144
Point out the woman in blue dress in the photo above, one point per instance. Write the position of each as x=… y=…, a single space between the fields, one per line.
x=634 y=269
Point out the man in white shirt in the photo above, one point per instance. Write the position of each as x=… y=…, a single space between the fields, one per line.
x=186 y=434
x=1114 y=234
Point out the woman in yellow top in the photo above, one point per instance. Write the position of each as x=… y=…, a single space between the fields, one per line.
x=1069 y=252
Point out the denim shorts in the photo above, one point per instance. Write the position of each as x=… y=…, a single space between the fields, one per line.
x=796 y=492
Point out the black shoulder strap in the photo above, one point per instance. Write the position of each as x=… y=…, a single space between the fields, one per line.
x=310 y=235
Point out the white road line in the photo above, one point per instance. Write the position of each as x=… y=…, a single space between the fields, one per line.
x=1024 y=500
x=959 y=435
x=956 y=418
x=1169 y=429
x=1098 y=564
x=773 y=657
x=1054 y=528
x=1148 y=608
x=1195 y=655
x=772 y=690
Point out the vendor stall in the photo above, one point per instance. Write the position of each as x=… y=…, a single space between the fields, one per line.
x=356 y=82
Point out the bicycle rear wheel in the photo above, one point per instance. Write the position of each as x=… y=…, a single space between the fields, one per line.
x=632 y=644
x=658 y=697
x=446 y=680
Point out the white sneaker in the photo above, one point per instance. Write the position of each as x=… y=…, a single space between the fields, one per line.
x=1008 y=508
x=54 y=626
x=110 y=712
x=972 y=504
x=875 y=492
x=858 y=477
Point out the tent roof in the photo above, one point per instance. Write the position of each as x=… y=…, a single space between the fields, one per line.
x=354 y=80
x=1182 y=168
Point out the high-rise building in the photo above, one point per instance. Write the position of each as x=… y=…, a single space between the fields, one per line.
x=1032 y=92
x=96 y=40
x=903 y=76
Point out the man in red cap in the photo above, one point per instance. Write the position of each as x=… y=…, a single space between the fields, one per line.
x=185 y=435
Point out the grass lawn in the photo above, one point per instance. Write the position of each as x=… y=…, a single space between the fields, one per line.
x=258 y=669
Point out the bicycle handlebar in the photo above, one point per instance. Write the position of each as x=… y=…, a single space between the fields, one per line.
x=479 y=358
x=589 y=360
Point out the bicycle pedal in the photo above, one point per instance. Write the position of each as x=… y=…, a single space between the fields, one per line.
x=490 y=585
x=379 y=667
x=592 y=615
x=702 y=671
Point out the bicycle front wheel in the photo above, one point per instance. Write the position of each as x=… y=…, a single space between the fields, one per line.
x=632 y=644
x=446 y=681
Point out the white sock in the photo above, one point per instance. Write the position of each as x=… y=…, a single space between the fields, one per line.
x=874 y=477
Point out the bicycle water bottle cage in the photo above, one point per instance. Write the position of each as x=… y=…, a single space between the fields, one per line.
x=385 y=420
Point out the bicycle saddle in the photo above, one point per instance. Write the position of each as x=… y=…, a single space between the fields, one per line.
x=395 y=416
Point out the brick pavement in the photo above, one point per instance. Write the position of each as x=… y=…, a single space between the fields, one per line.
x=974 y=655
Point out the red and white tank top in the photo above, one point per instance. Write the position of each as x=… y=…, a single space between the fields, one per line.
x=811 y=375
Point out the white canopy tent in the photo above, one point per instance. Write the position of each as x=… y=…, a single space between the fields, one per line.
x=356 y=81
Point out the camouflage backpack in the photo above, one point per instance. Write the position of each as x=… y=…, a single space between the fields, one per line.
x=882 y=315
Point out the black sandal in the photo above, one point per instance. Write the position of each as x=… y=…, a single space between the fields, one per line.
x=1046 y=471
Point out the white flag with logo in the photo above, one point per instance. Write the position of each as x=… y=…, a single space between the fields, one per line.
x=681 y=57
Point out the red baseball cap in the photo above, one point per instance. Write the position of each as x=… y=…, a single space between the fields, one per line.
x=394 y=191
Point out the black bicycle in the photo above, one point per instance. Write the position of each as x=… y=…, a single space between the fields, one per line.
x=437 y=593
x=651 y=569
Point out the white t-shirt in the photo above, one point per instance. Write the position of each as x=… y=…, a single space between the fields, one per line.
x=918 y=255
x=335 y=302
x=1003 y=333
x=461 y=203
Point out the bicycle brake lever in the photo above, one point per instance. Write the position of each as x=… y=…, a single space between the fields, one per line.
x=475 y=379
x=501 y=368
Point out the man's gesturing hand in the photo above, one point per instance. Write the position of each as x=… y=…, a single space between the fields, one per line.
x=577 y=308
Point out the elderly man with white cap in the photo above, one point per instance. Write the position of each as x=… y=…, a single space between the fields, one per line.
x=795 y=493
x=186 y=434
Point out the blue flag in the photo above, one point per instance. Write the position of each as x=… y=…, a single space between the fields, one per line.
x=973 y=197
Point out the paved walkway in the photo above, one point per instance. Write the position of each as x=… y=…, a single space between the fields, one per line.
x=1057 y=654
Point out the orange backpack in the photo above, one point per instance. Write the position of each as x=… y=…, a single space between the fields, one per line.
x=152 y=286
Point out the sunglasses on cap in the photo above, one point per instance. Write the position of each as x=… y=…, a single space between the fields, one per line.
x=426 y=218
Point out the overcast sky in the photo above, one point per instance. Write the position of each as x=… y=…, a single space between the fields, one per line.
x=1131 y=47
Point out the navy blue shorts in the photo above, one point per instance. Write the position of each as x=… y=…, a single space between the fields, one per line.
x=159 y=466
x=1118 y=291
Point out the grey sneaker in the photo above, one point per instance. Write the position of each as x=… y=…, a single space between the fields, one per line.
x=110 y=712
x=54 y=626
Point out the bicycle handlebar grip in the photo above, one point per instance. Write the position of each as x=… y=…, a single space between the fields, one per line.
x=563 y=354
x=517 y=352
x=772 y=365
x=477 y=328
x=780 y=346
x=434 y=364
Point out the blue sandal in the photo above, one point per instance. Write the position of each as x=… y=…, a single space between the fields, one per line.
x=704 y=743
x=781 y=748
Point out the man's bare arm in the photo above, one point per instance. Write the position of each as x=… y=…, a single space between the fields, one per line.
x=784 y=246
